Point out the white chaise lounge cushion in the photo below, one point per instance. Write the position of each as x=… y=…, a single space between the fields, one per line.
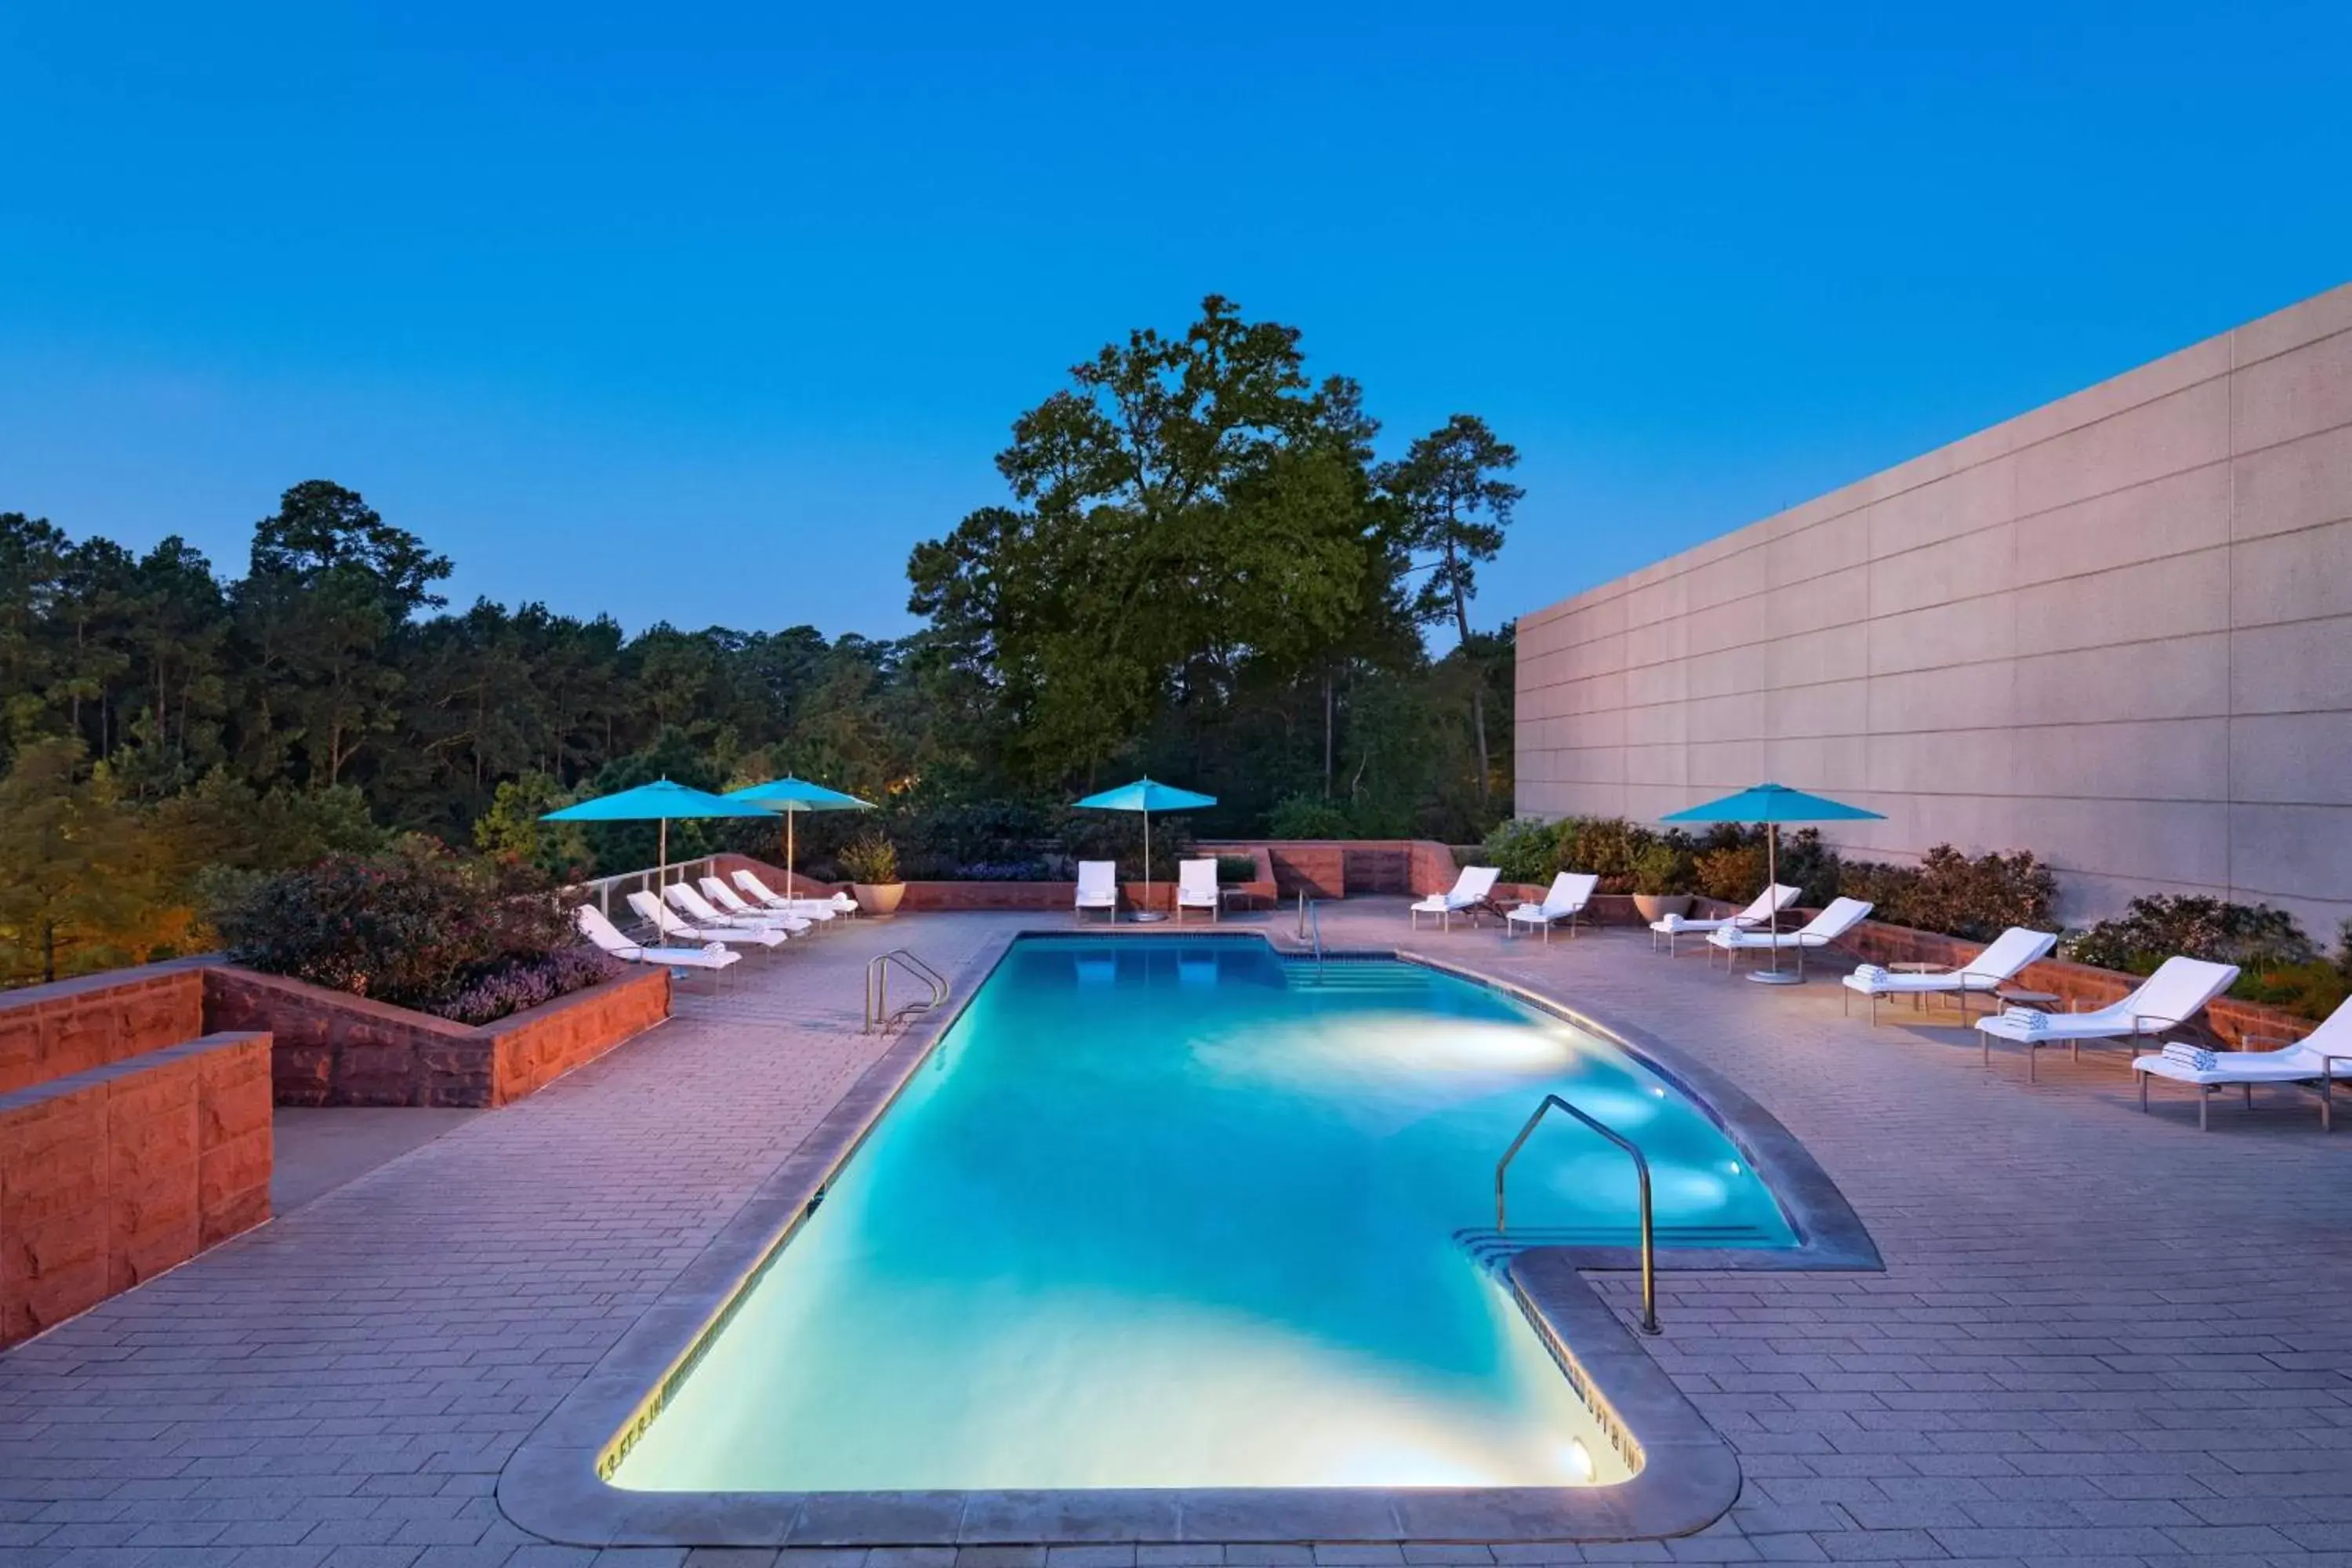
x=1996 y=966
x=1196 y=884
x=1098 y=885
x=1841 y=917
x=729 y=900
x=1768 y=903
x=606 y=935
x=1569 y=893
x=839 y=903
x=1470 y=888
x=2176 y=992
x=659 y=916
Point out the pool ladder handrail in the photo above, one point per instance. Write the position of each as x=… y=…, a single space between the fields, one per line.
x=1310 y=924
x=878 y=988
x=1641 y=1171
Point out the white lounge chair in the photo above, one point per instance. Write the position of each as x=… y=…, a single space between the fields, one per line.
x=1570 y=891
x=1987 y=972
x=656 y=913
x=807 y=909
x=1196 y=888
x=606 y=935
x=2319 y=1058
x=2176 y=992
x=682 y=897
x=1841 y=917
x=1098 y=888
x=726 y=901
x=1768 y=902
x=1469 y=893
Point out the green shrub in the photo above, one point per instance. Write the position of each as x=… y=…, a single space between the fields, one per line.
x=2153 y=928
x=2315 y=989
x=1523 y=851
x=1951 y=893
x=871 y=859
x=1665 y=867
x=2281 y=966
x=1232 y=869
x=1308 y=816
x=1734 y=874
x=1605 y=846
x=416 y=926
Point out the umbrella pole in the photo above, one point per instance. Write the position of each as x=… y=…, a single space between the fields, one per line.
x=661 y=858
x=788 y=825
x=1775 y=975
x=1147 y=859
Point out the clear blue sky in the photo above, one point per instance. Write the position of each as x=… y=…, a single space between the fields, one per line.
x=709 y=311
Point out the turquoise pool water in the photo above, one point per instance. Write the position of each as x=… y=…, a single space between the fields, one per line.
x=1182 y=1213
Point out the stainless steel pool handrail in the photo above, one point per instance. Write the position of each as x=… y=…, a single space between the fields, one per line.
x=1310 y=924
x=1641 y=1171
x=877 y=986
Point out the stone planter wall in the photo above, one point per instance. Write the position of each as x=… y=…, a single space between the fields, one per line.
x=334 y=1049
x=72 y=1026
x=112 y=1174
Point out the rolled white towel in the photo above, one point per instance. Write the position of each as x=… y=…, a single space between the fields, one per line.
x=1870 y=974
x=2030 y=1020
x=2189 y=1056
x=1668 y=922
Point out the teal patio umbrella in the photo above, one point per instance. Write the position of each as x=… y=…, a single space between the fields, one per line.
x=1147 y=795
x=792 y=796
x=662 y=801
x=1772 y=805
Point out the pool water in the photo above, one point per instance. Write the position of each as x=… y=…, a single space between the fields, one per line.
x=1183 y=1213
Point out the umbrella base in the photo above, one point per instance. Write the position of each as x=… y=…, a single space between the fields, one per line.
x=1776 y=977
x=1147 y=917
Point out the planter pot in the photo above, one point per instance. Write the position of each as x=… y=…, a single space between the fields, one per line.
x=1658 y=906
x=879 y=898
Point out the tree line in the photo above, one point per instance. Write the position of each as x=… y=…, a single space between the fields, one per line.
x=1201 y=570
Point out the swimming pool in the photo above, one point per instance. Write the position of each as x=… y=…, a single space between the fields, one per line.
x=1182 y=1213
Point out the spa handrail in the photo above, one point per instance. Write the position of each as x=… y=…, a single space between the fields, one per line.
x=1641 y=1171
x=1310 y=924
x=877 y=984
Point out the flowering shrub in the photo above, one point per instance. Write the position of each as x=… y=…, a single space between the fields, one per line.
x=417 y=926
x=1003 y=871
x=528 y=984
x=2151 y=930
x=2283 y=967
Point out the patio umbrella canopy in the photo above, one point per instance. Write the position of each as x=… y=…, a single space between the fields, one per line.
x=1771 y=804
x=1147 y=795
x=662 y=801
x=792 y=796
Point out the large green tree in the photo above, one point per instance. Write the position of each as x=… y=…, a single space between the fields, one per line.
x=1191 y=510
x=1456 y=505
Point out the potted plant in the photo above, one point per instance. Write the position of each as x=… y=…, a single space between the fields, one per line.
x=1662 y=881
x=871 y=862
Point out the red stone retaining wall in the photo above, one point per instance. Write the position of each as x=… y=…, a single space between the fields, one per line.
x=112 y=1174
x=71 y=1025
x=334 y=1049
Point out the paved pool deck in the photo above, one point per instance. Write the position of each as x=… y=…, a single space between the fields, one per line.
x=2099 y=1336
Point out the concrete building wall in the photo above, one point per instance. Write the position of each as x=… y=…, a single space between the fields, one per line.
x=2116 y=630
